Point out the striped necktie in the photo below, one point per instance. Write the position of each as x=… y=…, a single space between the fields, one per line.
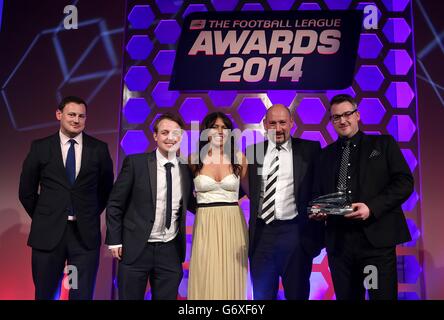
x=268 y=205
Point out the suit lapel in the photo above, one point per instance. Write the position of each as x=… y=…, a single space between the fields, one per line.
x=258 y=167
x=366 y=149
x=86 y=154
x=152 y=170
x=262 y=156
x=184 y=181
x=333 y=157
x=297 y=167
x=57 y=152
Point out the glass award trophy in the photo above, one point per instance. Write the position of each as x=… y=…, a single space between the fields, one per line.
x=333 y=204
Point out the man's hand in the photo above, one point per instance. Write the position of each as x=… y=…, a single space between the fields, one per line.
x=360 y=212
x=116 y=253
x=318 y=216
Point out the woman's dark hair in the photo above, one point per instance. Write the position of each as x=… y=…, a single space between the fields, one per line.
x=229 y=146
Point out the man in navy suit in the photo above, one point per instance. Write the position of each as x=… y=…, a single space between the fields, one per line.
x=64 y=186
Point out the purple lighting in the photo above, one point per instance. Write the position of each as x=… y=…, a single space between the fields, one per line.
x=410 y=203
x=311 y=110
x=408 y=296
x=395 y=5
x=164 y=61
x=332 y=93
x=280 y=4
x=398 y=62
x=362 y=5
x=224 y=5
x=284 y=97
x=414 y=232
x=249 y=137
x=318 y=286
x=371 y=110
x=369 y=78
x=396 y=30
x=401 y=127
x=337 y=5
x=137 y=78
x=314 y=136
x=194 y=8
x=163 y=96
x=412 y=269
x=309 y=6
x=193 y=109
x=331 y=131
x=169 y=6
x=369 y=46
x=167 y=31
x=139 y=47
x=252 y=110
x=141 y=17
x=399 y=94
x=252 y=7
x=134 y=141
x=189 y=144
x=410 y=158
x=136 y=110
x=222 y=98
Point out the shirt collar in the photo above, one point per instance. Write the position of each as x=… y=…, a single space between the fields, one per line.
x=286 y=146
x=355 y=140
x=162 y=160
x=64 y=139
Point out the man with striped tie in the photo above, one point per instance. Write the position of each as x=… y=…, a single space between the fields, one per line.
x=282 y=240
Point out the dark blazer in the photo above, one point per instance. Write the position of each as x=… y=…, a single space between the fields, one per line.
x=131 y=207
x=43 y=167
x=385 y=182
x=304 y=155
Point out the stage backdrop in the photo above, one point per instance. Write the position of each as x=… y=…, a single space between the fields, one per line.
x=384 y=85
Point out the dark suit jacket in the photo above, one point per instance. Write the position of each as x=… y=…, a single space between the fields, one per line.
x=304 y=154
x=385 y=182
x=43 y=167
x=131 y=207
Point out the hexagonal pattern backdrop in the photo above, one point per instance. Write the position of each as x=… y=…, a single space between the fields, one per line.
x=384 y=87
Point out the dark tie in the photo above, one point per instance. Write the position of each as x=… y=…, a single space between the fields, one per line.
x=169 y=199
x=71 y=163
x=268 y=205
x=342 y=179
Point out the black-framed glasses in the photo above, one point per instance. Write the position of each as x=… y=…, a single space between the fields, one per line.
x=346 y=115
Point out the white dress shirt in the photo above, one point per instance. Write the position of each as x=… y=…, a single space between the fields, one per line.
x=78 y=146
x=285 y=204
x=159 y=233
x=65 y=145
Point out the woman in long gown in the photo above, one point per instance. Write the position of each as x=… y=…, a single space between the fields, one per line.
x=219 y=256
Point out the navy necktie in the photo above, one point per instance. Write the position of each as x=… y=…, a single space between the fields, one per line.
x=169 y=199
x=71 y=163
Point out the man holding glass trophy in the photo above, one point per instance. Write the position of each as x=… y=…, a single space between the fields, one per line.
x=362 y=181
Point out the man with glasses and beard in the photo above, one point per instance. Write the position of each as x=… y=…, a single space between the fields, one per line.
x=376 y=179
